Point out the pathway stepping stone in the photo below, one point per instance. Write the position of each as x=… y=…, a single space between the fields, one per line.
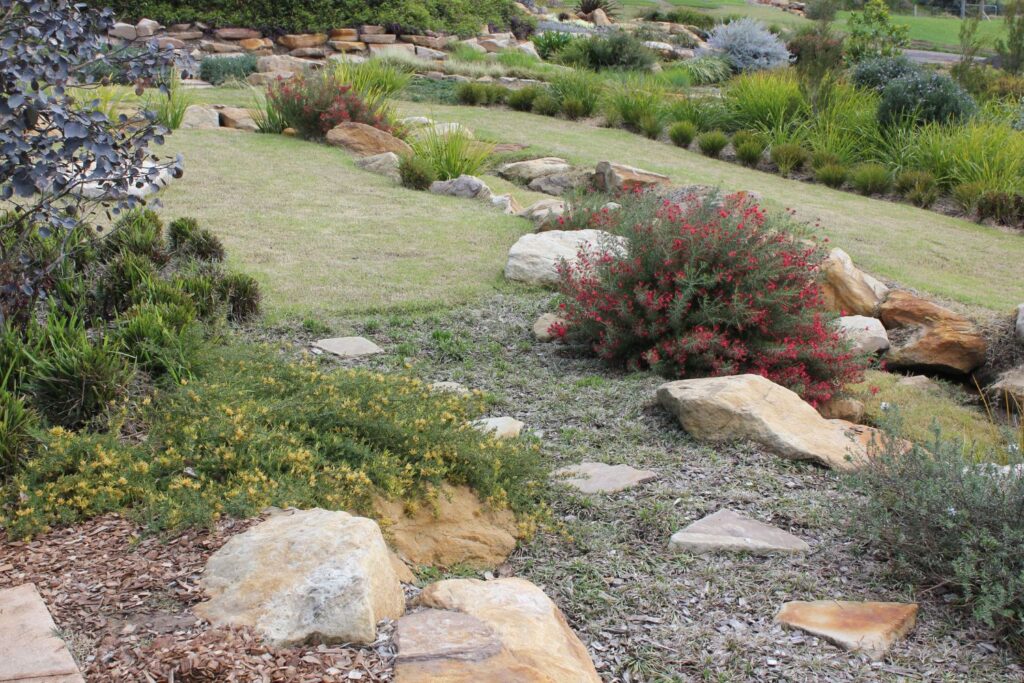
x=500 y=427
x=726 y=530
x=451 y=387
x=31 y=650
x=597 y=477
x=868 y=627
x=349 y=347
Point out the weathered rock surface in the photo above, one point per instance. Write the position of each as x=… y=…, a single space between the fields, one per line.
x=868 y=627
x=465 y=186
x=200 y=117
x=238 y=118
x=459 y=530
x=385 y=164
x=237 y=33
x=304 y=575
x=364 y=140
x=453 y=387
x=296 y=41
x=147 y=28
x=380 y=38
x=507 y=203
x=611 y=177
x=597 y=477
x=726 y=530
x=500 y=427
x=349 y=347
x=849 y=409
x=544 y=210
x=927 y=336
x=525 y=171
x=32 y=652
x=848 y=290
x=279 y=63
x=600 y=18
x=866 y=335
x=752 y=407
x=1008 y=389
x=558 y=184
x=921 y=382
x=123 y=31
x=534 y=258
x=477 y=631
x=542 y=327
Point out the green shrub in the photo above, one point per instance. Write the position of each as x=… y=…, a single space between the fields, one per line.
x=139 y=232
x=619 y=50
x=253 y=430
x=453 y=153
x=968 y=195
x=124 y=276
x=704 y=70
x=765 y=100
x=682 y=133
x=943 y=521
x=187 y=239
x=578 y=91
x=682 y=15
x=822 y=10
x=741 y=137
x=315 y=102
x=160 y=338
x=871 y=33
x=546 y=104
x=832 y=175
x=871 y=178
x=923 y=99
x=170 y=106
x=821 y=157
x=750 y=152
x=622 y=305
x=633 y=102
x=997 y=205
x=522 y=99
x=652 y=125
x=416 y=173
x=473 y=93
x=550 y=43
x=217 y=70
x=705 y=113
x=789 y=157
x=918 y=187
x=242 y=294
x=878 y=72
x=16 y=423
x=712 y=143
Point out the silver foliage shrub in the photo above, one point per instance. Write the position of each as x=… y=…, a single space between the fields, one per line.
x=749 y=45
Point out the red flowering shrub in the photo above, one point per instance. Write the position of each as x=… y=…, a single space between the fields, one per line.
x=314 y=103
x=715 y=287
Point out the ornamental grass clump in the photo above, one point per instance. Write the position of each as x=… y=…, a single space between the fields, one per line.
x=712 y=143
x=713 y=287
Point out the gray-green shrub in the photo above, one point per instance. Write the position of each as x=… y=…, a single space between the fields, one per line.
x=924 y=98
x=749 y=45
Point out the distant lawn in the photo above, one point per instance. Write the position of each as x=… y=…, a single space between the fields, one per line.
x=324 y=237
x=951 y=258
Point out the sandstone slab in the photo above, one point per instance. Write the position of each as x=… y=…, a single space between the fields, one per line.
x=123 y=31
x=515 y=633
x=525 y=171
x=849 y=409
x=147 y=28
x=544 y=211
x=349 y=347
x=611 y=177
x=199 y=117
x=500 y=427
x=929 y=337
x=534 y=258
x=542 y=327
x=237 y=33
x=868 y=627
x=296 y=41
x=456 y=530
x=304 y=575
x=364 y=140
x=385 y=164
x=344 y=34
x=866 y=335
x=237 y=118
x=279 y=63
x=597 y=477
x=848 y=290
x=380 y=38
x=348 y=45
x=755 y=408
x=558 y=184
x=465 y=186
x=1008 y=389
x=452 y=387
x=32 y=651
x=268 y=78
x=726 y=530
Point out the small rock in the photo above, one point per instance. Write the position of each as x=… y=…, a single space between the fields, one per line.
x=348 y=45
x=309 y=52
x=525 y=171
x=507 y=203
x=220 y=47
x=597 y=477
x=430 y=53
x=200 y=117
x=465 y=186
x=730 y=531
x=599 y=18
x=868 y=627
x=385 y=164
x=279 y=63
x=558 y=184
x=528 y=48
x=165 y=42
x=123 y=31
x=866 y=335
x=542 y=327
x=611 y=177
x=264 y=79
x=1020 y=322
x=544 y=210
x=921 y=382
x=349 y=347
x=238 y=118
x=146 y=28
x=1008 y=389
x=849 y=409
x=500 y=427
x=379 y=38
x=237 y=34
x=451 y=387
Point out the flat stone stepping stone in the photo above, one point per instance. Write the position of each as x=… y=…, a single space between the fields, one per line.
x=348 y=347
x=868 y=627
x=500 y=427
x=597 y=477
x=451 y=388
x=731 y=531
x=31 y=651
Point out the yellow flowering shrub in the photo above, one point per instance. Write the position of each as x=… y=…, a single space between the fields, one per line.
x=252 y=430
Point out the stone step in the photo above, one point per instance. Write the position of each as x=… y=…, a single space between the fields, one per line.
x=31 y=650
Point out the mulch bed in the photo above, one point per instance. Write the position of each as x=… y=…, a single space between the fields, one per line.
x=123 y=601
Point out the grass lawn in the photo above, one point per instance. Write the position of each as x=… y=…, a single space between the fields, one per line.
x=951 y=258
x=322 y=235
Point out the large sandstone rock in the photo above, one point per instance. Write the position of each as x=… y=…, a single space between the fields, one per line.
x=459 y=530
x=1008 y=389
x=534 y=258
x=385 y=164
x=237 y=33
x=123 y=31
x=600 y=18
x=262 y=79
x=304 y=40
x=525 y=171
x=465 y=186
x=752 y=407
x=237 y=118
x=477 y=631
x=279 y=63
x=726 y=530
x=199 y=117
x=558 y=184
x=304 y=575
x=32 y=651
x=848 y=290
x=611 y=177
x=364 y=140
x=544 y=210
x=926 y=336
x=866 y=335
x=147 y=28
x=868 y=627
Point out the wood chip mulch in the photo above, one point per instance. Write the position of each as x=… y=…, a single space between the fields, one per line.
x=123 y=601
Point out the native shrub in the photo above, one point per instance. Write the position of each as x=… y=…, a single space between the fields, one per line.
x=682 y=133
x=242 y=294
x=871 y=178
x=217 y=70
x=712 y=143
x=877 y=72
x=822 y=10
x=750 y=152
x=871 y=33
x=186 y=238
x=832 y=175
x=522 y=99
x=546 y=104
x=550 y=43
x=712 y=287
x=749 y=45
x=451 y=153
x=415 y=172
x=997 y=205
x=967 y=195
x=918 y=187
x=924 y=98
x=16 y=422
x=682 y=15
x=609 y=7
x=578 y=91
x=618 y=50
x=789 y=157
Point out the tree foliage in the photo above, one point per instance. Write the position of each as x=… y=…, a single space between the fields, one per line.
x=871 y=33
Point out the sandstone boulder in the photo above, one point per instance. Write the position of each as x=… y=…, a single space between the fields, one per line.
x=1008 y=389
x=458 y=530
x=544 y=210
x=165 y=42
x=123 y=31
x=558 y=184
x=848 y=409
x=264 y=79
x=534 y=259
x=33 y=652
x=726 y=530
x=528 y=48
x=500 y=427
x=612 y=177
x=525 y=171
x=542 y=327
x=385 y=164
x=868 y=627
x=364 y=140
x=430 y=53
x=238 y=118
x=147 y=28
x=304 y=575
x=599 y=18
x=296 y=41
x=200 y=117
x=220 y=47
x=344 y=34
x=507 y=203
x=494 y=45
x=502 y=630
x=866 y=335
x=848 y=290
x=755 y=408
x=253 y=44
x=380 y=39
x=465 y=186
x=348 y=45
x=598 y=477
x=237 y=33
x=279 y=63
x=926 y=336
